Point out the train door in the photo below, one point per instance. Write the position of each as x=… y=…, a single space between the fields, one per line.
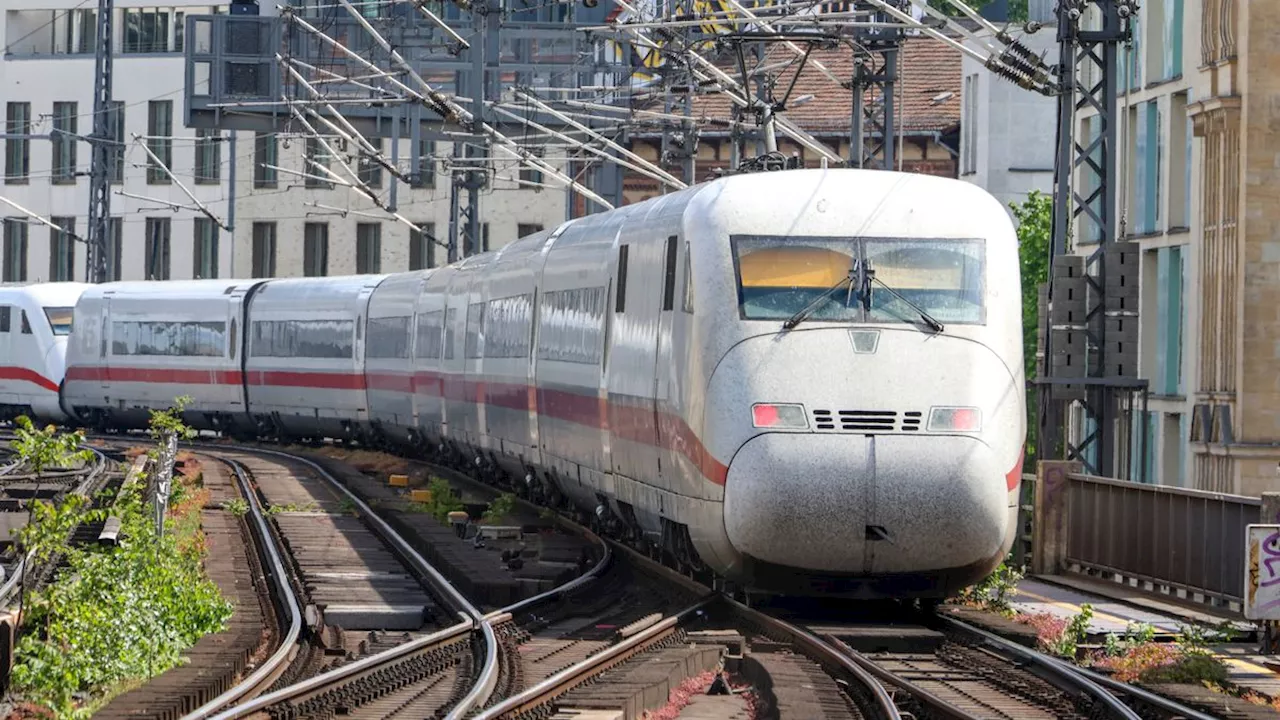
x=664 y=409
x=362 y=315
x=235 y=310
x=104 y=345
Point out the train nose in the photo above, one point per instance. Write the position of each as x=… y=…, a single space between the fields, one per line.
x=866 y=503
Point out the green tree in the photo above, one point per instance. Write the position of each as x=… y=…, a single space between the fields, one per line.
x=41 y=449
x=1035 y=228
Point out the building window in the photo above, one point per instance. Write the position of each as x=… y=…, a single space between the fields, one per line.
x=17 y=151
x=62 y=250
x=531 y=174
x=527 y=229
x=14 y=262
x=159 y=140
x=368 y=248
x=156 y=259
x=317 y=158
x=205 y=260
x=369 y=171
x=484 y=237
x=152 y=30
x=422 y=247
x=115 y=247
x=64 y=143
x=208 y=156
x=1169 y=310
x=1147 y=181
x=74 y=32
x=425 y=169
x=115 y=128
x=266 y=149
x=264 y=249
x=1173 y=13
x=315 y=249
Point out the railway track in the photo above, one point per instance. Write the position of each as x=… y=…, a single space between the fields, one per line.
x=626 y=632
x=18 y=490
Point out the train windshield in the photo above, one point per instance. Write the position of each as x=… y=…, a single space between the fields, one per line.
x=778 y=277
x=59 y=319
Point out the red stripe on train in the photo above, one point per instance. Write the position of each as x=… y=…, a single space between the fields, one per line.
x=627 y=421
x=21 y=374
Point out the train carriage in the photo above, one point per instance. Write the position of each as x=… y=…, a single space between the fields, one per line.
x=35 y=325
x=433 y=346
x=463 y=406
x=509 y=286
x=388 y=358
x=304 y=374
x=142 y=344
x=572 y=334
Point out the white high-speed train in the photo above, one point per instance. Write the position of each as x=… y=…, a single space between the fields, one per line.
x=806 y=382
x=35 y=322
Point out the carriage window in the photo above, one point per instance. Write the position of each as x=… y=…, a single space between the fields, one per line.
x=26 y=326
x=430 y=330
x=303 y=338
x=779 y=276
x=162 y=337
x=59 y=319
x=506 y=327
x=4 y=319
x=388 y=337
x=571 y=325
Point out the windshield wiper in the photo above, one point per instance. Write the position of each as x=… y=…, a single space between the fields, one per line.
x=928 y=319
x=800 y=315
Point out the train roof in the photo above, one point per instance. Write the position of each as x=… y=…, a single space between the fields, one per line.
x=45 y=294
x=169 y=288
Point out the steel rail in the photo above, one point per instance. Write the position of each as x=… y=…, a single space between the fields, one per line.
x=1065 y=674
x=819 y=647
x=12 y=581
x=470 y=621
x=269 y=670
x=935 y=704
x=575 y=674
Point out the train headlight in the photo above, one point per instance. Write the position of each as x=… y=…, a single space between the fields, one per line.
x=773 y=415
x=955 y=419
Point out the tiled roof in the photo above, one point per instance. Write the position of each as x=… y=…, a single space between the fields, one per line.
x=928 y=68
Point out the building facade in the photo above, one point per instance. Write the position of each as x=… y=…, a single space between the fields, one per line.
x=1199 y=190
x=284 y=224
x=1008 y=133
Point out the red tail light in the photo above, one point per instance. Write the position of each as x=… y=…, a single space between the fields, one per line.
x=770 y=415
x=955 y=419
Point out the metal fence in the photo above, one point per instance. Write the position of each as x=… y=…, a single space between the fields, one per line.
x=1188 y=539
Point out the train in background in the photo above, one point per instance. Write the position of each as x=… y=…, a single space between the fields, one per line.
x=35 y=324
x=806 y=382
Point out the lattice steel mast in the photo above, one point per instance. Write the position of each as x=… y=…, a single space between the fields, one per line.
x=1090 y=318
x=102 y=156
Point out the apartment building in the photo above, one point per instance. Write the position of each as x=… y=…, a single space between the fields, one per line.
x=1199 y=183
x=174 y=225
